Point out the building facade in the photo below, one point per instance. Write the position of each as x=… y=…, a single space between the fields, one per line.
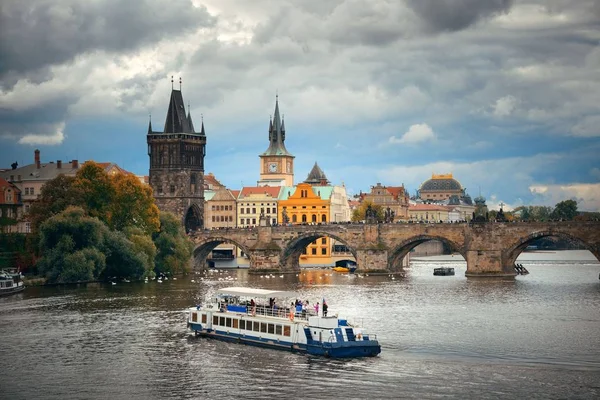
x=176 y=157
x=254 y=202
x=11 y=207
x=276 y=163
x=394 y=198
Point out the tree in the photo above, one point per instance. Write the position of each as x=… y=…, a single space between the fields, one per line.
x=132 y=205
x=97 y=190
x=359 y=214
x=173 y=246
x=71 y=242
x=57 y=194
x=565 y=210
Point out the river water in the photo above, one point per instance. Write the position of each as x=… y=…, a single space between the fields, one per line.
x=537 y=336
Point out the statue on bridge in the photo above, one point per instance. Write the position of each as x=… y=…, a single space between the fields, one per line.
x=370 y=215
x=389 y=215
x=285 y=219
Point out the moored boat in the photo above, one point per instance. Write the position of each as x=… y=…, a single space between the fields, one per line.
x=10 y=283
x=253 y=316
x=443 y=271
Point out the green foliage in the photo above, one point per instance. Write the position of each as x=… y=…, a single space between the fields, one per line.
x=133 y=205
x=122 y=259
x=144 y=246
x=173 y=246
x=565 y=210
x=97 y=190
x=56 y=195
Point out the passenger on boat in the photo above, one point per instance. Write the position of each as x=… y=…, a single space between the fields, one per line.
x=324 y=308
x=253 y=307
x=317 y=308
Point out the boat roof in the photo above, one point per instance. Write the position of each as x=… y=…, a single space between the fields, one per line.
x=253 y=292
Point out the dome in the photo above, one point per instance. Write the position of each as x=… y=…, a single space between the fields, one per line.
x=441 y=183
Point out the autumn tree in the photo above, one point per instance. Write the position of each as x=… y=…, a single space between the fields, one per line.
x=132 y=205
x=97 y=190
x=56 y=195
x=359 y=214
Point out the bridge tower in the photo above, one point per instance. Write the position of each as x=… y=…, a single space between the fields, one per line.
x=276 y=163
x=177 y=164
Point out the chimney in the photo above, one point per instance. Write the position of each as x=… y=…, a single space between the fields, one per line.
x=59 y=164
x=74 y=164
x=37 y=158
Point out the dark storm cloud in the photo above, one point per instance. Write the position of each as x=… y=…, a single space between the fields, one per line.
x=36 y=120
x=37 y=33
x=454 y=15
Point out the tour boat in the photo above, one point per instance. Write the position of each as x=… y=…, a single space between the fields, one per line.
x=10 y=283
x=256 y=317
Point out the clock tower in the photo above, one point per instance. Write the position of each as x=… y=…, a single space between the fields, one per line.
x=276 y=164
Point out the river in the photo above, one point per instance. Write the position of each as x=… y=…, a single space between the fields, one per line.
x=537 y=336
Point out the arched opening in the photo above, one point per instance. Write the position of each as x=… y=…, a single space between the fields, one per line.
x=314 y=218
x=193 y=220
x=547 y=249
x=221 y=253
x=317 y=250
x=303 y=217
x=442 y=252
x=323 y=218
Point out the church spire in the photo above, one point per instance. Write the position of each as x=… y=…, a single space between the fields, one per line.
x=189 y=118
x=202 y=129
x=149 y=124
x=276 y=134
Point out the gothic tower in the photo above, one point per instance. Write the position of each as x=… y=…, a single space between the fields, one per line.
x=177 y=164
x=276 y=164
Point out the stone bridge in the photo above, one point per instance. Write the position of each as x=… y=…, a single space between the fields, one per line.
x=490 y=249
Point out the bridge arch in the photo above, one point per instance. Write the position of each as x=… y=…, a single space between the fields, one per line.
x=517 y=247
x=400 y=250
x=290 y=259
x=204 y=247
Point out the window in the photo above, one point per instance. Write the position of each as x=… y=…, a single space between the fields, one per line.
x=243 y=324
x=253 y=221
x=256 y=326
x=314 y=218
x=286 y=330
x=323 y=218
x=304 y=251
x=241 y=210
x=304 y=218
x=253 y=210
x=247 y=210
x=278 y=329
x=323 y=240
x=314 y=251
x=271 y=328
x=323 y=251
x=222 y=321
x=294 y=218
x=215 y=320
x=160 y=190
x=203 y=318
x=235 y=323
x=228 y=322
x=172 y=189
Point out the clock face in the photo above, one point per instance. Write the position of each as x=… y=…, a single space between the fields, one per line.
x=272 y=167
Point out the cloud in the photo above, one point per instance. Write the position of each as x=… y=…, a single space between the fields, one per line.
x=40 y=33
x=587 y=127
x=504 y=106
x=454 y=15
x=53 y=139
x=587 y=195
x=415 y=134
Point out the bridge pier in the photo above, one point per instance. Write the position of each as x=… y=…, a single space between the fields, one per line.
x=371 y=260
x=265 y=260
x=488 y=263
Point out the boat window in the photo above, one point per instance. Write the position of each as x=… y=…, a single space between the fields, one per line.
x=243 y=324
x=286 y=330
x=203 y=318
x=235 y=323
x=256 y=326
x=278 y=329
x=263 y=327
x=271 y=328
x=222 y=321
x=215 y=320
x=194 y=317
x=228 y=322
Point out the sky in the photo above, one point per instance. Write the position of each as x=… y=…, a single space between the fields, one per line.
x=503 y=94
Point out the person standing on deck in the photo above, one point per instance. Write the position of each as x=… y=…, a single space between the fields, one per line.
x=317 y=308
x=324 y=308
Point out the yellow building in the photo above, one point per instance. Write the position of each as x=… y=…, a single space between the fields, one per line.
x=310 y=205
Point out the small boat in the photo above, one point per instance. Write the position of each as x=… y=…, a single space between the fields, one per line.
x=349 y=268
x=251 y=316
x=10 y=283
x=443 y=271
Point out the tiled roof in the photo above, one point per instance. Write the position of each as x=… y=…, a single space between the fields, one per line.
x=46 y=171
x=426 y=207
x=209 y=179
x=268 y=191
x=396 y=191
x=324 y=192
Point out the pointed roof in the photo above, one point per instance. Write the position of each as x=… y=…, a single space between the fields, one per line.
x=316 y=176
x=150 y=126
x=189 y=118
x=177 y=121
x=276 y=135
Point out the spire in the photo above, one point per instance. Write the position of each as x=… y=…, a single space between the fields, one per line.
x=149 y=124
x=202 y=129
x=317 y=176
x=177 y=121
x=189 y=118
x=276 y=134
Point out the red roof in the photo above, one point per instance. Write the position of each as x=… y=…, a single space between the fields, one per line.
x=209 y=179
x=235 y=193
x=4 y=184
x=396 y=191
x=269 y=190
